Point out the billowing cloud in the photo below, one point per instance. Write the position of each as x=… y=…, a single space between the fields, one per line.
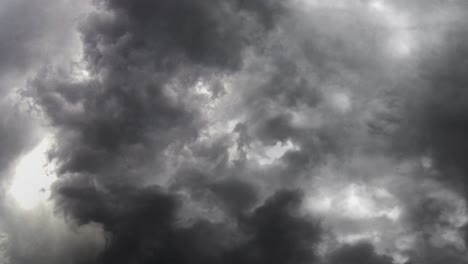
x=233 y=131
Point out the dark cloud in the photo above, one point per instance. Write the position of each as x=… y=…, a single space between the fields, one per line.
x=236 y=194
x=211 y=33
x=182 y=129
x=142 y=227
x=139 y=105
x=433 y=255
x=431 y=119
x=145 y=57
x=279 y=233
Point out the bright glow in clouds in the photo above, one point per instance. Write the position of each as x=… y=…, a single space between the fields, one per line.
x=341 y=101
x=266 y=155
x=335 y=4
x=359 y=212
x=31 y=183
x=393 y=24
x=355 y=202
x=401 y=42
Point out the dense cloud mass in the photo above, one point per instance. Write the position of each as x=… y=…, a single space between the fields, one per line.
x=233 y=132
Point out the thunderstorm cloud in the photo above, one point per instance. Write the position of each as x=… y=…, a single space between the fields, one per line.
x=233 y=132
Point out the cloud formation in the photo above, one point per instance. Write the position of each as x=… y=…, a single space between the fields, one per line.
x=236 y=131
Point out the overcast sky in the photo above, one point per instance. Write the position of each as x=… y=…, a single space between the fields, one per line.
x=233 y=131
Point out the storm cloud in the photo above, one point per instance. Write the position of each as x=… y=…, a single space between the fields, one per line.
x=233 y=131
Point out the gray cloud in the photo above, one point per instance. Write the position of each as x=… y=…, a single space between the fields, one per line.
x=222 y=131
x=359 y=253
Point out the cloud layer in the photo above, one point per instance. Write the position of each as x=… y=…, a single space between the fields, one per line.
x=235 y=131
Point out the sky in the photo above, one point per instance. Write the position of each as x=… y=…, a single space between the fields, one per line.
x=233 y=131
